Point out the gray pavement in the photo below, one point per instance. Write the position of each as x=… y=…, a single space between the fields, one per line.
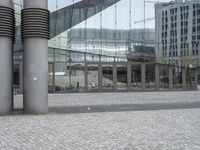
x=109 y=121
x=123 y=107
x=85 y=99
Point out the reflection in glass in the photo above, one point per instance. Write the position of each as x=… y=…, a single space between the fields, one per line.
x=61 y=78
x=136 y=83
x=164 y=77
x=69 y=77
x=92 y=77
x=122 y=77
x=75 y=56
x=76 y=73
x=92 y=57
x=50 y=78
x=190 y=78
x=150 y=77
x=177 y=78
x=61 y=55
x=107 y=76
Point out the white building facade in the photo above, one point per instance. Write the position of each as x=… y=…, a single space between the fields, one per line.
x=177 y=32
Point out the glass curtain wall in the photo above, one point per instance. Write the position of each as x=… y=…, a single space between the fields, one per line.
x=164 y=77
x=121 y=76
x=190 y=78
x=136 y=83
x=107 y=77
x=150 y=77
x=92 y=76
x=177 y=78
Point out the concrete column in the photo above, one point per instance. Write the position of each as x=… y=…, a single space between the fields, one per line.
x=143 y=76
x=86 y=78
x=183 y=78
x=170 y=78
x=7 y=27
x=100 y=76
x=21 y=77
x=129 y=76
x=157 y=77
x=115 y=76
x=196 y=79
x=54 y=86
x=35 y=34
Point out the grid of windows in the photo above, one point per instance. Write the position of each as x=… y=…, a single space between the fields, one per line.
x=180 y=31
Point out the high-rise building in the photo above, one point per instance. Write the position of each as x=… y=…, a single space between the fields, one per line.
x=177 y=34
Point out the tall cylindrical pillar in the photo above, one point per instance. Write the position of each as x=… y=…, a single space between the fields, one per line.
x=35 y=35
x=143 y=76
x=129 y=76
x=7 y=26
x=115 y=76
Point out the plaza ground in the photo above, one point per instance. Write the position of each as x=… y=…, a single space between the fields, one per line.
x=107 y=121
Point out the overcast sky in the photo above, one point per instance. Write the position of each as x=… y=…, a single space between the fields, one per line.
x=109 y=14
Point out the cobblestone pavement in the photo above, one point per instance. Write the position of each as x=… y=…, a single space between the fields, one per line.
x=85 y=99
x=177 y=129
x=150 y=130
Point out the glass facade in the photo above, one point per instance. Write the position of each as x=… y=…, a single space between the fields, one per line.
x=83 y=39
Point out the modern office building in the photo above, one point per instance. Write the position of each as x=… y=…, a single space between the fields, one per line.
x=177 y=37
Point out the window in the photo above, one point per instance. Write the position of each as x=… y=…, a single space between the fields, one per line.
x=171 y=11
x=198 y=12
x=194 y=29
x=181 y=31
x=198 y=29
x=198 y=20
x=186 y=30
x=181 y=23
x=194 y=13
x=185 y=23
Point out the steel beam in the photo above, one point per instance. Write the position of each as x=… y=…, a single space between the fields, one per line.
x=7 y=24
x=35 y=34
